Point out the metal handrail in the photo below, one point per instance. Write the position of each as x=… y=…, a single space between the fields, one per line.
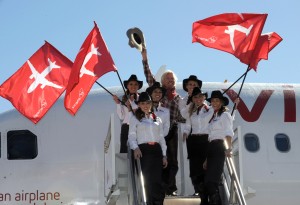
x=132 y=179
x=235 y=190
x=142 y=182
x=137 y=180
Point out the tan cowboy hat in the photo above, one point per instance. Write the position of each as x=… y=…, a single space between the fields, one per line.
x=136 y=38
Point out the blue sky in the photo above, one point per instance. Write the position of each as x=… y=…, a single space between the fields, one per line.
x=167 y=26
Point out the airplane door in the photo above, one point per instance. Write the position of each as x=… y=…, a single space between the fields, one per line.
x=109 y=158
x=4 y=163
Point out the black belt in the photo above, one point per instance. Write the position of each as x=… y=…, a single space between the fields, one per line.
x=216 y=140
x=150 y=143
x=199 y=134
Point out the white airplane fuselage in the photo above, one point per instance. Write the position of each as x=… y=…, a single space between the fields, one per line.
x=76 y=161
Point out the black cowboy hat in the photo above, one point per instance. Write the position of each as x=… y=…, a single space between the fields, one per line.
x=143 y=97
x=136 y=38
x=218 y=94
x=197 y=91
x=154 y=86
x=193 y=78
x=133 y=78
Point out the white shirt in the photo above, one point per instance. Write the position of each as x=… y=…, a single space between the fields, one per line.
x=164 y=114
x=220 y=127
x=199 y=123
x=124 y=113
x=145 y=131
x=183 y=107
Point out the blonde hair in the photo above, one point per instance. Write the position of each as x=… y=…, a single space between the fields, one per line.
x=163 y=76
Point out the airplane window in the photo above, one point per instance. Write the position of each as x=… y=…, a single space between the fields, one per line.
x=251 y=142
x=21 y=144
x=282 y=142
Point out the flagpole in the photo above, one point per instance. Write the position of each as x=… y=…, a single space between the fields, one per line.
x=238 y=95
x=109 y=92
x=248 y=69
x=104 y=88
x=124 y=92
x=121 y=83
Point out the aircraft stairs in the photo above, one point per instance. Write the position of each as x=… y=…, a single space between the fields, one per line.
x=131 y=186
x=129 y=189
x=229 y=189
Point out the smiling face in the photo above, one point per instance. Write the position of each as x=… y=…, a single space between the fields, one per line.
x=190 y=86
x=156 y=95
x=216 y=103
x=145 y=106
x=169 y=81
x=198 y=99
x=132 y=86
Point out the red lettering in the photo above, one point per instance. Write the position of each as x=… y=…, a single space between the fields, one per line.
x=259 y=105
x=289 y=106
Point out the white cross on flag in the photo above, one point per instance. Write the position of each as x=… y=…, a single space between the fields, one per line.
x=35 y=87
x=92 y=61
x=235 y=33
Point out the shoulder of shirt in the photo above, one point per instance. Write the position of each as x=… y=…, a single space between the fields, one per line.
x=226 y=114
x=133 y=119
x=158 y=118
x=163 y=109
x=177 y=97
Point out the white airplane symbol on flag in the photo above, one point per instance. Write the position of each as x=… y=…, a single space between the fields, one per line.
x=83 y=69
x=240 y=28
x=40 y=77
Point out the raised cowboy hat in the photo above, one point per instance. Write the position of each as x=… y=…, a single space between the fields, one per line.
x=192 y=78
x=136 y=38
x=143 y=97
x=155 y=86
x=133 y=78
x=218 y=94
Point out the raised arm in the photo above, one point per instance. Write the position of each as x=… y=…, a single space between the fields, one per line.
x=148 y=74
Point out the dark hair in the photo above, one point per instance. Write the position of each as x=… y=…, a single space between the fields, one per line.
x=125 y=97
x=139 y=114
x=193 y=108
x=222 y=109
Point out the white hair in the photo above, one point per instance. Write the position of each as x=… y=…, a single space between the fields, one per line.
x=163 y=76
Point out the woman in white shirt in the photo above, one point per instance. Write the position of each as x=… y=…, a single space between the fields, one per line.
x=146 y=138
x=188 y=85
x=156 y=93
x=125 y=110
x=196 y=132
x=220 y=131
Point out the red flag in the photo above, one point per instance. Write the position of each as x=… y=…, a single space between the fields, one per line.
x=230 y=32
x=35 y=87
x=264 y=45
x=92 y=61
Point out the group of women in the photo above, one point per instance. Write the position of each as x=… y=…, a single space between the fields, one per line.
x=146 y=123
